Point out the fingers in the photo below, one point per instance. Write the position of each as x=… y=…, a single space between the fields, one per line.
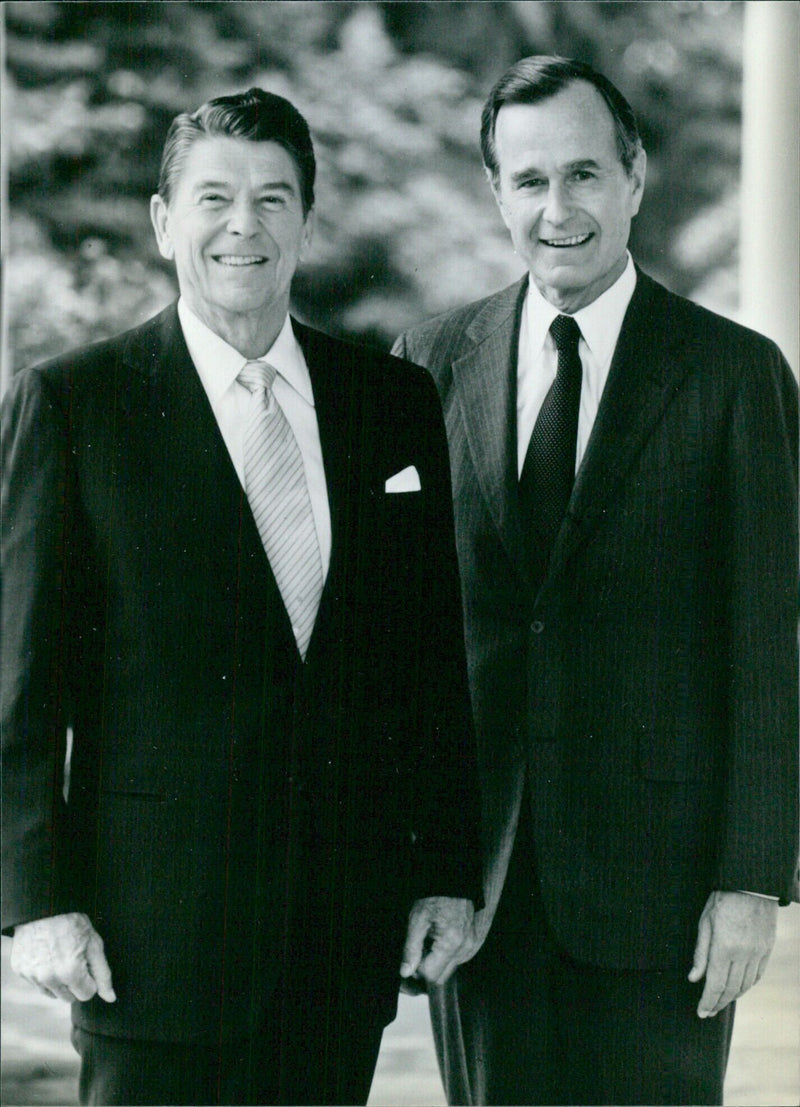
x=39 y=987
x=99 y=968
x=68 y=981
x=418 y=923
x=439 y=929
x=442 y=960
x=750 y=976
x=723 y=985
x=62 y=957
x=708 y=1000
x=57 y=987
x=740 y=978
x=735 y=936
x=761 y=967
x=78 y=980
x=700 y=962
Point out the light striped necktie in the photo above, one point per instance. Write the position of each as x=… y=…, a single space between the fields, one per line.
x=275 y=483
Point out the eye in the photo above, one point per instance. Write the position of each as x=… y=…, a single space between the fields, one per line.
x=273 y=200
x=532 y=183
x=211 y=198
x=583 y=175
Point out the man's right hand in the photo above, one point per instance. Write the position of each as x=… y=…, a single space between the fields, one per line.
x=63 y=957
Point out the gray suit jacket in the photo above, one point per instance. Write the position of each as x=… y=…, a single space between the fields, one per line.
x=647 y=690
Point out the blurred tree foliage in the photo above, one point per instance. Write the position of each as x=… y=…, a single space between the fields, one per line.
x=406 y=223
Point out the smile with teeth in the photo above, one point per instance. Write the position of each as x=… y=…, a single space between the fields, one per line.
x=240 y=259
x=573 y=240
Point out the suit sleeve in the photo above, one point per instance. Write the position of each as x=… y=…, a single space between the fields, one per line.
x=35 y=695
x=760 y=818
x=446 y=799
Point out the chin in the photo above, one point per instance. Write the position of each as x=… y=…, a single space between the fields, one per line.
x=565 y=283
x=246 y=305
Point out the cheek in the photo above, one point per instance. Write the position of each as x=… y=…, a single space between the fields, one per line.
x=294 y=246
x=521 y=224
x=615 y=221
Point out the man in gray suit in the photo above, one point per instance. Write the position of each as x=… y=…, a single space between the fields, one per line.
x=624 y=473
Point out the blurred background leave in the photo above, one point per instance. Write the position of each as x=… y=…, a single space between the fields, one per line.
x=407 y=225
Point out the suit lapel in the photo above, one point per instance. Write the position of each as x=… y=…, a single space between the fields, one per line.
x=159 y=354
x=645 y=373
x=485 y=382
x=182 y=433
x=332 y=391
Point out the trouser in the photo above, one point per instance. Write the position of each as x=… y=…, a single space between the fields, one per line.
x=306 y=1053
x=523 y=1023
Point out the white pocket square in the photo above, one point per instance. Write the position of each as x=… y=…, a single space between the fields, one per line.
x=407 y=480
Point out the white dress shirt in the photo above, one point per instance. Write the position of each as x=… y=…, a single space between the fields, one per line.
x=600 y=323
x=218 y=365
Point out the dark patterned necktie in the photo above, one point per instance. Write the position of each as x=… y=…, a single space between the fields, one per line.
x=548 y=472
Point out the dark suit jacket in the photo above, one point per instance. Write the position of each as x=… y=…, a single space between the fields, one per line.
x=232 y=812
x=649 y=688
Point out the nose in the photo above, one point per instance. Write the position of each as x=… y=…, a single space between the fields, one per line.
x=242 y=219
x=557 y=207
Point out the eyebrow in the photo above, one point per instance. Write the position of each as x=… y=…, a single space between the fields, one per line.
x=266 y=186
x=532 y=171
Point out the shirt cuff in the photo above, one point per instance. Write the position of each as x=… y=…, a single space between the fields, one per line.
x=758 y=895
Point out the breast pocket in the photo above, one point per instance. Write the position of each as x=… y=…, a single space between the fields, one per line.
x=402 y=539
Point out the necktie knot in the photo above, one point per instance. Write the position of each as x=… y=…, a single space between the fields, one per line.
x=566 y=334
x=258 y=376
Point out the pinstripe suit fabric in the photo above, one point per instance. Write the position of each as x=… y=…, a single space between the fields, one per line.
x=645 y=693
x=238 y=825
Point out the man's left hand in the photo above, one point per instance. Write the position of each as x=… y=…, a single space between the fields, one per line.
x=439 y=937
x=734 y=940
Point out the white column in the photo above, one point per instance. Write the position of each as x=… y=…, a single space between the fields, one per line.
x=5 y=369
x=770 y=195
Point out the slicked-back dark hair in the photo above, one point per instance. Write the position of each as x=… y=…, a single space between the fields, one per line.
x=255 y=115
x=542 y=76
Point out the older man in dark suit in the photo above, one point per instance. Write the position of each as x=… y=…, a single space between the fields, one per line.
x=624 y=471
x=229 y=571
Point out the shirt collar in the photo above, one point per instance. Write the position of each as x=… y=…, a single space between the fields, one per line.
x=219 y=364
x=600 y=322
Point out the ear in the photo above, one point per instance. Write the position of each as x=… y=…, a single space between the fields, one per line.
x=637 y=177
x=159 y=217
x=494 y=185
x=491 y=180
x=308 y=232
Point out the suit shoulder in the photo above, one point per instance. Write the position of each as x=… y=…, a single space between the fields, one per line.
x=91 y=362
x=720 y=347
x=454 y=320
x=708 y=326
x=367 y=367
x=451 y=325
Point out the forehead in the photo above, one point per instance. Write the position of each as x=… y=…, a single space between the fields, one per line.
x=574 y=125
x=238 y=162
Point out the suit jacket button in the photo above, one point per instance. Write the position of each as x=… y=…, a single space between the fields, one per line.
x=537 y=626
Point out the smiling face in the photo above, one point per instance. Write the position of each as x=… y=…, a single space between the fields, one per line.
x=236 y=231
x=564 y=194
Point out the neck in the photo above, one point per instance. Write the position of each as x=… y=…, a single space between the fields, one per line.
x=251 y=334
x=570 y=300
